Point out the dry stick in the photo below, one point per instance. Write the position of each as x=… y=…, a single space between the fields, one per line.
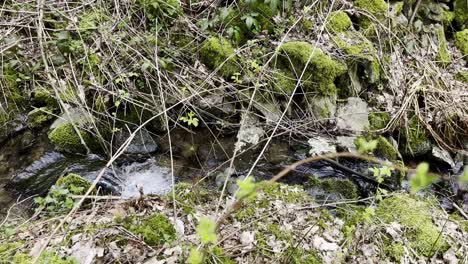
x=293 y=166
x=414 y=12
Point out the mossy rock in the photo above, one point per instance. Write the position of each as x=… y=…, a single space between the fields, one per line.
x=321 y=69
x=414 y=214
x=443 y=54
x=219 y=53
x=460 y=8
x=44 y=98
x=343 y=188
x=155 y=230
x=383 y=149
x=75 y=183
x=461 y=42
x=413 y=140
x=360 y=50
x=66 y=139
x=283 y=82
x=378 y=120
x=39 y=116
x=376 y=8
x=338 y=21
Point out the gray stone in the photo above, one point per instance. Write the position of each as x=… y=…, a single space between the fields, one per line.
x=353 y=116
x=142 y=143
x=322 y=107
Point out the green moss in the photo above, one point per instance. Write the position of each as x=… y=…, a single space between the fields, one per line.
x=66 y=139
x=300 y=256
x=460 y=220
x=386 y=149
x=272 y=192
x=219 y=53
x=11 y=90
x=75 y=183
x=377 y=8
x=338 y=21
x=155 y=230
x=461 y=41
x=413 y=140
x=189 y=196
x=283 y=82
x=39 y=116
x=343 y=187
x=394 y=250
x=19 y=257
x=443 y=55
x=461 y=13
x=43 y=97
x=415 y=215
x=378 y=120
x=321 y=70
x=462 y=76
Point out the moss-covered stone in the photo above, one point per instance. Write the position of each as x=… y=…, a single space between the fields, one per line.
x=461 y=42
x=378 y=120
x=338 y=21
x=360 y=50
x=341 y=187
x=414 y=214
x=39 y=116
x=460 y=8
x=321 y=69
x=66 y=139
x=75 y=183
x=413 y=140
x=218 y=53
x=376 y=8
x=43 y=97
x=155 y=230
x=283 y=82
x=443 y=55
x=386 y=149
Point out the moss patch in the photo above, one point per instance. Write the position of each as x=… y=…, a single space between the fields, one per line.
x=342 y=187
x=219 y=53
x=39 y=116
x=338 y=21
x=415 y=215
x=321 y=69
x=155 y=230
x=283 y=82
x=461 y=41
x=378 y=120
x=461 y=13
x=377 y=8
x=462 y=76
x=66 y=139
x=443 y=55
x=189 y=196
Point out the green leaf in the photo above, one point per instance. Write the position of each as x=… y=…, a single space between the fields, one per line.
x=195 y=257
x=422 y=178
x=247 y=188
x=206 y=230
x=365 y=146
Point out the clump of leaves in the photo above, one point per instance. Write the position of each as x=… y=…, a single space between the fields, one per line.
x=190 y=119
x=206 y=230
x=57 y=201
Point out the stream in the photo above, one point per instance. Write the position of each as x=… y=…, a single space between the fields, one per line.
x=30 y=166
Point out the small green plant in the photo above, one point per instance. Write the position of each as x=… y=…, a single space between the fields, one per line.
x=190 y=119
x=247 y=188
x=363 y=146
x=58 y=200
x=206 y=230
x=422 y=178
x=251 y=22
x=381 y=173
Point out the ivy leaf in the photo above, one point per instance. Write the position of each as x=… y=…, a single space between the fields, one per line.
x=246 y=188
x=422 y=178
x=206 y=230
x=195 y=257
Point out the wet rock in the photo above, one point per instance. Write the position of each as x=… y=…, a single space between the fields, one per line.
x=249 y=133
x=443 y=156
x=269 y=110
x=12 y=127
x=141 y=144
x=321 y=145
x=353 y=116
x=41 y=174
x=75 y=115
x=322 y=106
